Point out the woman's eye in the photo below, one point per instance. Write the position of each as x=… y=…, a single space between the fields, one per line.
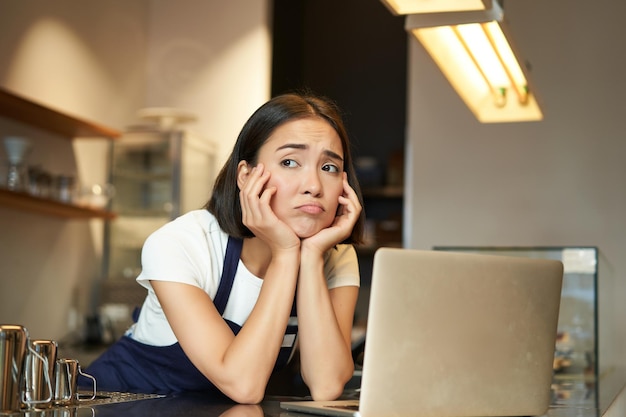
x=289 y=163
x=330 y=168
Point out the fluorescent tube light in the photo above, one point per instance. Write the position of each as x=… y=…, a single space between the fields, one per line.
x=400 y=7
x=473 y=52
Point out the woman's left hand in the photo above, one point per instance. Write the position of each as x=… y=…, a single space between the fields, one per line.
x=348 y=213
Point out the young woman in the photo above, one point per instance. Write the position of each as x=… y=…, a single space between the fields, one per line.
x=226 y=283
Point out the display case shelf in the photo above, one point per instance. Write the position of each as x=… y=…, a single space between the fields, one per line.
x=370 y=250
x=144 y=213
x=133 y=175
x=388 y=191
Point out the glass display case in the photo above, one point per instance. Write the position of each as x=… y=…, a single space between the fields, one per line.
x=157 y=175
x=576 y=354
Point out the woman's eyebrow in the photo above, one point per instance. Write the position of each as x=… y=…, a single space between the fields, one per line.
x=302 y=146
x=292 y=146
x=333 y=155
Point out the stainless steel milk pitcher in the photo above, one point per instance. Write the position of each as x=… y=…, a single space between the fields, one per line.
x=66 y=374
x=14 y=368
x=13 y=340
x=39 y=373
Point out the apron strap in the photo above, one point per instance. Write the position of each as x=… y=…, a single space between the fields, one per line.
x=231 y=262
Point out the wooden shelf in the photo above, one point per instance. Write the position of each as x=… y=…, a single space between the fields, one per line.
x=388 y=191
x=364 y=250
x=19 y=108
x=23 y=201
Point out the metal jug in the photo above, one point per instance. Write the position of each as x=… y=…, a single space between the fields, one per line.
x=66 y=374
x=14 y=369
x=13 y=342
x=39 y=374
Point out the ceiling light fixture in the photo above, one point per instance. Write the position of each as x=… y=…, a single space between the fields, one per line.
x=473 y=52
x=400 y=7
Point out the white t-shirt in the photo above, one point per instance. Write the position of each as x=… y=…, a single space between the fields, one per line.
x=191 y=250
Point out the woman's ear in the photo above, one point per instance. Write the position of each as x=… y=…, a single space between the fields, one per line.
x=243 y=170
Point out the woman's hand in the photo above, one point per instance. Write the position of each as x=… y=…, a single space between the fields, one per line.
x=348 y=213
x=325 y=316
x=258 y=216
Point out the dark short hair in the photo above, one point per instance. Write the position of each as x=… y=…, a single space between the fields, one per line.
x=224 y=203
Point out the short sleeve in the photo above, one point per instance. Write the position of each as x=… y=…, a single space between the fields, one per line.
x=189 y=250
x=163 y=259
x=341 y=267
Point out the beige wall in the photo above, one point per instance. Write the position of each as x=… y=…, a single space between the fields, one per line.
x=212 y=58
x=103 y=61
x=86 y=58
x=555 y=182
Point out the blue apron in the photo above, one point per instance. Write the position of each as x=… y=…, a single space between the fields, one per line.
x=132 y=366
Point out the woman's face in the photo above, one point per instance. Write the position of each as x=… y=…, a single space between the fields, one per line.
x=305 y=159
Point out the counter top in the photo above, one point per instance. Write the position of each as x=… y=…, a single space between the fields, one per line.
x=571 y=398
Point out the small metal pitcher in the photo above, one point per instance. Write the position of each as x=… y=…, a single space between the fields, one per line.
x=13 y=340
x=66 y=373
x=40 y=374
x=14 y=368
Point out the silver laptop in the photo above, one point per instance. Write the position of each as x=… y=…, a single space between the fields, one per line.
x=455 y=334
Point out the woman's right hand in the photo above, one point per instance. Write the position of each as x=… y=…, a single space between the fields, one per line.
x=257 y=214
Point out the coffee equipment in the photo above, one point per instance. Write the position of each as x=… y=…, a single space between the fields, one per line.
x=16 y=149
x=16 y=359
x=31 y=376
x=13 y=341
x=66 y=373
x=40 y=374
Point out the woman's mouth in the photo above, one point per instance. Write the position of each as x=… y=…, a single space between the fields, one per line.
x=311 y=208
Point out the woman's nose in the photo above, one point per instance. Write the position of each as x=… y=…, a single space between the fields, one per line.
x=313 y=184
